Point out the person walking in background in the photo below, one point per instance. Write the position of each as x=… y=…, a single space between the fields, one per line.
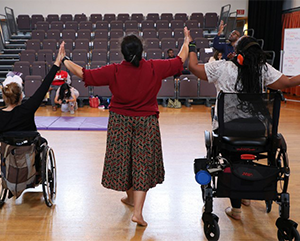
x=133 y=159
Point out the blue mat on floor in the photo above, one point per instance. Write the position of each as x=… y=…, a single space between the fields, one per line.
x=71 y=123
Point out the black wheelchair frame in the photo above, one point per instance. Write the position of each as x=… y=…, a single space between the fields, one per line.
x=48 y=178
x=245 y=154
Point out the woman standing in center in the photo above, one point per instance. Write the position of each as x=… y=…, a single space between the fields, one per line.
x=133 y=159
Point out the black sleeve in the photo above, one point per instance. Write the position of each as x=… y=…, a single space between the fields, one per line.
x=33 y=103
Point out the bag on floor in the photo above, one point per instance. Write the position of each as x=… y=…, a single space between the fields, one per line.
x=94 y=102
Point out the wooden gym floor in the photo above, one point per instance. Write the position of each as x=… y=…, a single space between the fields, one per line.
x=85 y=210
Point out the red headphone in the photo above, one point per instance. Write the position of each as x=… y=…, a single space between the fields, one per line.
x=241 y=55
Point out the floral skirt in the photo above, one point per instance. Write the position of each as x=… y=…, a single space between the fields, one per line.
x=133 y=153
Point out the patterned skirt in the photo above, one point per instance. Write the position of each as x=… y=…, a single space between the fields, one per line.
x=133 y=153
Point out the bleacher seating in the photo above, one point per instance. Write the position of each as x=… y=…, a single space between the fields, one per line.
x=36 y=18
x=23 y=22
x=52 y=17
x=123 y=17
x=94 y=41
x=22 y=67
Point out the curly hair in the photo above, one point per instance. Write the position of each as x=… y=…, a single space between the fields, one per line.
x=249 y=79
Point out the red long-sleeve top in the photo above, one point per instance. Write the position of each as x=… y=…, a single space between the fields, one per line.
x=134 y=89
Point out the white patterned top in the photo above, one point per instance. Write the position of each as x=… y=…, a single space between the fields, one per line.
x=224 y=76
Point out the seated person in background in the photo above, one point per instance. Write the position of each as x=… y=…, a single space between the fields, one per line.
x=60 y=78
x=217 y=56
x=66 y=96
x=226 y=49
x=170 y=53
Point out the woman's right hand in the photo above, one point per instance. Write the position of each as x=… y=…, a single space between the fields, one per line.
x=187 y=36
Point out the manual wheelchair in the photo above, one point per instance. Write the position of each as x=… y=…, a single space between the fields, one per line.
x=246 y=159
x=26 y=162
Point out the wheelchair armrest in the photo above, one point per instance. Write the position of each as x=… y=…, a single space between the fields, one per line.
x=207 y=137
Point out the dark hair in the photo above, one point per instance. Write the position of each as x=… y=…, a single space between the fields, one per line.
x=249 y=78
x=62 y=92
x=12 y=93
x=132 y=49
x=170 y=50
x=216 y=55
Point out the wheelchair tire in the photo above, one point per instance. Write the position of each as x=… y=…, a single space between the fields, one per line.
x=49 y=176
x=212 y=230
x=282 y=235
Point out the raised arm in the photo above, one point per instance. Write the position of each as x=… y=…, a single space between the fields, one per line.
x=194 y=67
x=33 y=103
x=285 y=82
x=74 y=68
x=184 y=51
x=216 y=41
x=221 y=27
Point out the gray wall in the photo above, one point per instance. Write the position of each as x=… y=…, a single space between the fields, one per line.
x=46 y=7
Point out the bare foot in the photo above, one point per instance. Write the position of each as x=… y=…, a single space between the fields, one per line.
x=139 y=220
x=126 y=201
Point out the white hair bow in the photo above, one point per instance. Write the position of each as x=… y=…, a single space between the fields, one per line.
x=12 y=77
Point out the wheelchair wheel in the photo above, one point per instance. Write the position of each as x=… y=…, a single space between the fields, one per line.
x=49 y=176
x=3 y=193
x=282 y=162
x=212 y=230
x=282 y=234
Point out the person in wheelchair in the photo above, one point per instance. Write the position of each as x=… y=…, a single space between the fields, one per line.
x=248 y=72
x=18 y=116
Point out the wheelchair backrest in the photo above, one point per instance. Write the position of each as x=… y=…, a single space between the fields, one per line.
x=19 y=138
x=248 y=115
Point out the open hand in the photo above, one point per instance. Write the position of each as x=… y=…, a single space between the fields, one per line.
x=187 y=35
x=221 y=27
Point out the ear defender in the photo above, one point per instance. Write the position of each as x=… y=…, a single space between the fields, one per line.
x=240 y=59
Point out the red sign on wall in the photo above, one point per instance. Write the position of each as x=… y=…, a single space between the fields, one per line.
x=240 y=11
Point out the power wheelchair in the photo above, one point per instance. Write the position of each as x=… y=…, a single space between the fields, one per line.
x=26 y=162
x=246 y=159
